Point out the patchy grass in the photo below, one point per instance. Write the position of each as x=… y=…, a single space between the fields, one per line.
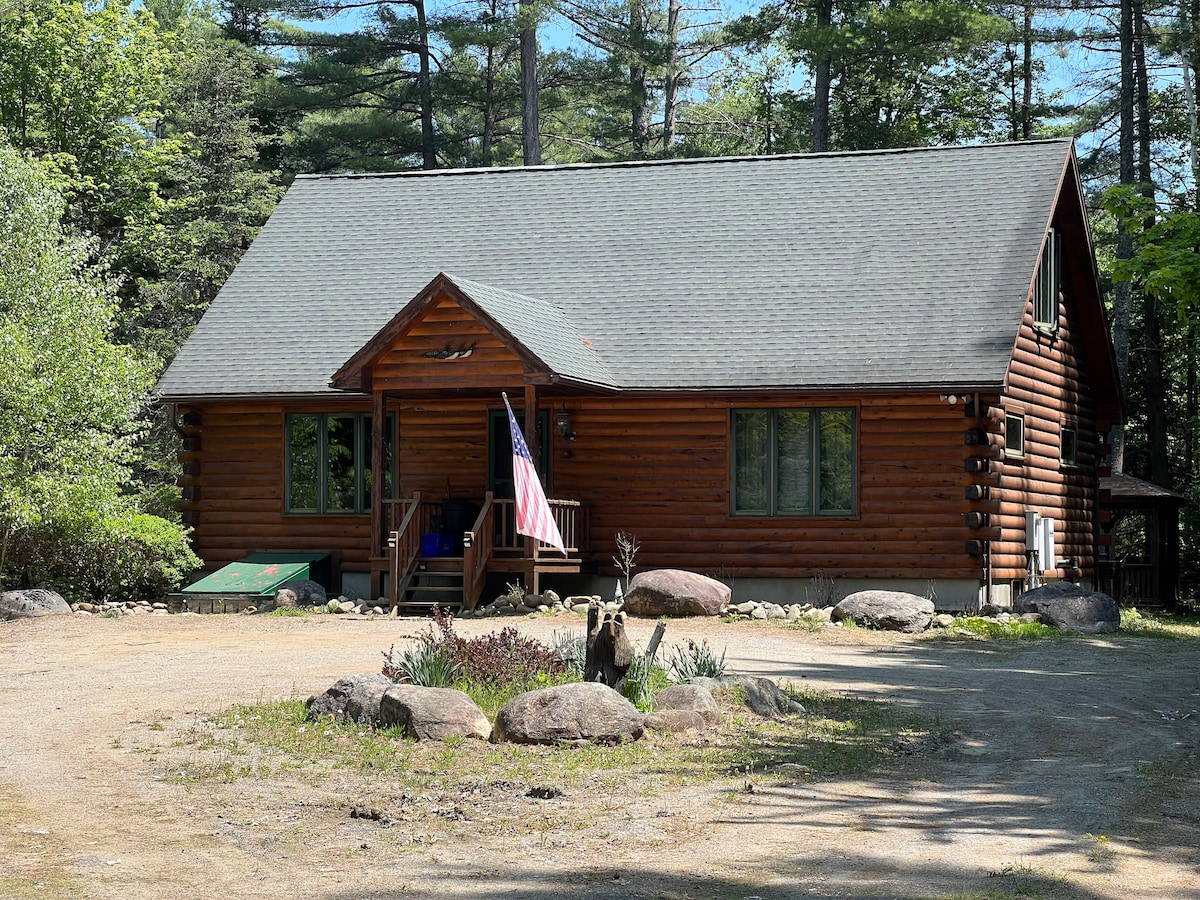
x=838 y=736
x=490 y=696
x=32 y=859
x=977 y=628
x=1172 y=626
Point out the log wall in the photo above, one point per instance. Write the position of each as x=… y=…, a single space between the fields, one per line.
x=234 y=463
x=657 y=467
x=1047 y=384
x=447 y=326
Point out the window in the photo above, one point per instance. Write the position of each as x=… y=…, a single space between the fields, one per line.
x=1067 y=445
x=1014 y=435
x=1046 y=287
x=329 y=462
x=793 y=462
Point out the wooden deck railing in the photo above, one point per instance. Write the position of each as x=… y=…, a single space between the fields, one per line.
x=478 y=545
x=572 y=519
x=1129 y=582
x=493 y=532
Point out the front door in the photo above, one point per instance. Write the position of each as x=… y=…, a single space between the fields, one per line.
x=500 y=477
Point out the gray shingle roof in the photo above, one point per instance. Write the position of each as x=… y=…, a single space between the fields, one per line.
x=888 y=269
x=543 y=329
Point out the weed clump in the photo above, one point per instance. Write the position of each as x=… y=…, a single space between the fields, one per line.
x=503 y=656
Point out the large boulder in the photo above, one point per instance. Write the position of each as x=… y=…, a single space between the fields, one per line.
x=675 y=721
x=1071 y=608
x=30 y=603
x=762 y=695
x=432 y=714
x=691 y=697
x=354 y=698
x=673 y=592
x=305 y=592
x=886 y=610
x=582 y=711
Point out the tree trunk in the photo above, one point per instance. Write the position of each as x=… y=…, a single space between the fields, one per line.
x=531 y=134
x=1155 y=387
x=671 y=81
x=1121 y=290
x=638 y=98
x=1027 y=74
x=425 y=89
x=822 y=77
x=487 y=139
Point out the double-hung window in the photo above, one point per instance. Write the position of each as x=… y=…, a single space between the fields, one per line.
x=793 y=462
x=1046 y=287
x=329 y=462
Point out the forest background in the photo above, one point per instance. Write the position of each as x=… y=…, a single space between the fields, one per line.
x=142 y=145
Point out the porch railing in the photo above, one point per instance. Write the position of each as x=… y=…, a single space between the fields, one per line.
x=493 y=532
x=1128 y=582
x=572 y=519
x=478 y=544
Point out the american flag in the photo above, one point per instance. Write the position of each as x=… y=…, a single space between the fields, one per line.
x=534 y=517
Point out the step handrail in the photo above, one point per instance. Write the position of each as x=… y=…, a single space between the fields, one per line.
x=404 y=547
x=478 y=544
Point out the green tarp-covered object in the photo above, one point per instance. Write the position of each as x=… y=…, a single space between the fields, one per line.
x=260 y=574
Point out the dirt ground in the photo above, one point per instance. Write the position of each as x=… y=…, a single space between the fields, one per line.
x=1058 y=744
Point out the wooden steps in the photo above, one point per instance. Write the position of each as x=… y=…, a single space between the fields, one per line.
x=437 y=581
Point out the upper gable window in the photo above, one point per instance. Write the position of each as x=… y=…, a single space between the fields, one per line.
x=1048 y=282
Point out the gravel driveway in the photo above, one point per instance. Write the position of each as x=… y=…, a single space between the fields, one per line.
x=1073 y=775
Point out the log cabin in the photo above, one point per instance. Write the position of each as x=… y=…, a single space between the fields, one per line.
x=805 y=375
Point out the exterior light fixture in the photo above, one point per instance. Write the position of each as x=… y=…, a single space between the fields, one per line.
x=563 y=421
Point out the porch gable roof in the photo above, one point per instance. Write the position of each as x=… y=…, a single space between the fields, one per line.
x=536 y=330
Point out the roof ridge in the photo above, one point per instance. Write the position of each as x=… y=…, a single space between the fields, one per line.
x=682 y=161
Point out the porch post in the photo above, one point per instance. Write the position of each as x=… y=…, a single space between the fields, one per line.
x=535 y=452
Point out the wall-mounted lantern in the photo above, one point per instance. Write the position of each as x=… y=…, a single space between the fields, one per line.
x=563 y=420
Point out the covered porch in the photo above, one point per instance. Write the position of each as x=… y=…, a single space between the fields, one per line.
x=439 y=433
x=439 y=544
x=421 y=572
x=1140 y=564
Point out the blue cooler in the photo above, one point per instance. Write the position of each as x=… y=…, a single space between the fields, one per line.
x=431 y=545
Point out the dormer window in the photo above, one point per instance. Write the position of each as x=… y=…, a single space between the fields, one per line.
x=1046 y=286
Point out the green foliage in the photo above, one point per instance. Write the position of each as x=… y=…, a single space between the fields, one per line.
x=643 y=681
x=422 y=664
x=1012 y=630
x=1161 y=625
x=490 y=696
x=81 y=86
x=691 y=661
x=572 y=650
x=505 y=656
x=1166 y=260
x=70 y=410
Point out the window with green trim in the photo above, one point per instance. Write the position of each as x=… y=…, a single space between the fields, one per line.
x=329 y=462
x=793 y=462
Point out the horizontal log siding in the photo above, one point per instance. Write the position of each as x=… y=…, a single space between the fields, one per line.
x=404 y=368
x=444 y=443
x=241 y=490
x=1047 y=384
x=659 y=468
